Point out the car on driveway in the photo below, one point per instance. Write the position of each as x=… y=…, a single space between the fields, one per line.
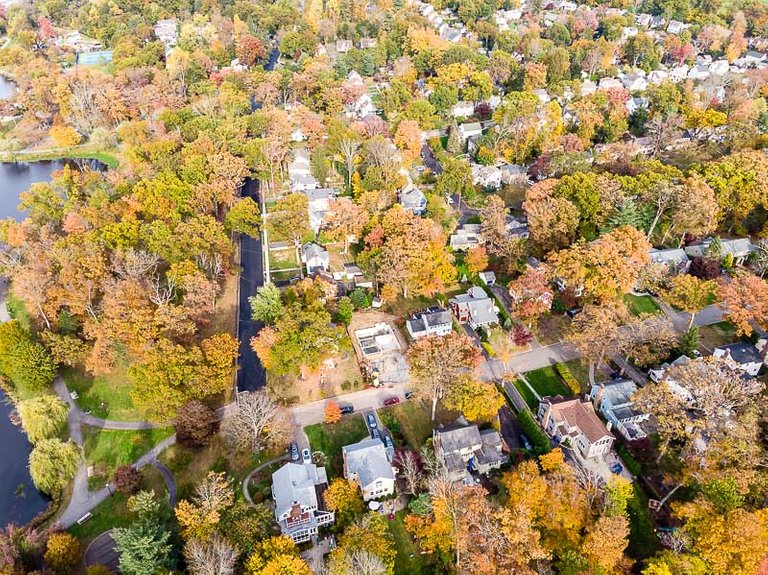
x=345 y=409
x=306 y=456
x=294 y=451
x=388 y=442
x=408 y=394
x=392 y=401
x=525 y=442
x=375 y=433
x=372 y=421
x=617 y=468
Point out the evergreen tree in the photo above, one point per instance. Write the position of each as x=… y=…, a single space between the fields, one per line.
x=627 y=214
x=454 y=143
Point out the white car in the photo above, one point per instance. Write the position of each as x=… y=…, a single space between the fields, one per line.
x=449 y=199
x=306 y=456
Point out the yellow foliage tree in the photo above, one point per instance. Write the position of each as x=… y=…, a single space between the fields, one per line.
x=64 y=136
x=477 y=400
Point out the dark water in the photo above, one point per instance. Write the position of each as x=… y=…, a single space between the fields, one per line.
x=7 y=88
x=19 y=500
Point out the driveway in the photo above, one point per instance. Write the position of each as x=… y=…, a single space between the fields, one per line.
x=509 y=428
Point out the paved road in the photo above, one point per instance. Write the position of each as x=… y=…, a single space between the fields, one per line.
x=251 y=374
x=170 y=482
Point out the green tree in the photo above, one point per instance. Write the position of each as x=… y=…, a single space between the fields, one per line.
x=456 y=178
x=26 y=363
x=53 y=464
x=289 y=220
x=144 y=546
x=267 y=305
x=244 y=217
x=344 y=310
x=42 y=417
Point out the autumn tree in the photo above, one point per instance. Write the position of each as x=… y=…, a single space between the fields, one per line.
x=213 y=556
x=745 y=301
x=274 y=556
x=531 y=294
x=257 y=422
x=249 y=50
x=332 y=412
x=244 y=217
x=195 y=424
x=605 y=542
x=647 y=339
x=476 y=260
x=344 y=220
x=127 y=479
x=65 y=136
x=369 y=534
x=410 y=467
x=408 y=140
x=199 y=516
x=63 y=553
x=595 y=331
x=436 y=363
x=476 y=400
x=343 y=498
x=289 y=220
x=552 y=221
x=689 y=293
x=53 y=464
x=42 y=417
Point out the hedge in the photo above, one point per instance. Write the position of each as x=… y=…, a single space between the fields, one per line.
x=566 y=375
x=533 y=432
x=632 y=465
x=489 y=349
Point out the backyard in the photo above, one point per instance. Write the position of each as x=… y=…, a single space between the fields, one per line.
x=331 y=437
x=106 y=449
x=640 y=304
x=551 y=328
x=717 y=334
x=409 y=561
x=408 y=422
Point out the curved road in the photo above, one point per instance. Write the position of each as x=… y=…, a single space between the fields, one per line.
x=170 y=482
x=247 y=480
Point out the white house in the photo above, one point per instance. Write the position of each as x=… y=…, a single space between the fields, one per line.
x=614 y=400
x=464 y=448
x=657 y=76
x=574 y=421
x=315 y=257
x=463 y=109
x=466 y=237
x=486 y=176
x=610 y=84
x=699 y=72
x=299 y=511
x=678 y=73
x=475 y=308
x=738 y=248
x=588 y=87
x=469 y=130
x=367 y=463
x=343 y=46
x=675 y=27
x=318 y=205
x=635 y=82
x=719 y=67
x=363 y=106
x=413 y=200
x=743 y=357
x=433 y=321
x=675 y=258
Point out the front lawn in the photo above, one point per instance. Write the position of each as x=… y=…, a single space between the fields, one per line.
x=640 y=304
x=527 y=394
x=331 y=437
x=106 y=396
x=546 y=382
x=409 y=561
x=106 y=449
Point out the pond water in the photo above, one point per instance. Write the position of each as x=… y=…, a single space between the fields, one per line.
x=19 y=500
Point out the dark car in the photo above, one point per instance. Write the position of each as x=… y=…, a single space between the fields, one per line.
x=525 y=442
x=573 y=312
x=408 y=394
x=388 y=442
x=617 y=468
x=392 y=401
x=375 y=433
x=345 y=409
x=294 y=451
x=371 y=421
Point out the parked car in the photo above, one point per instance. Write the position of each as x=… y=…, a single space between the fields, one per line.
x=525 y=442
x=392 y=401
x=294 y=451
x=449 y=199
x=573 y=312
x=306 y=456
x=375 y=433
x=617 y=468
x=388 y=442
x=345 y=409
x=408 y=394
x=372 y=421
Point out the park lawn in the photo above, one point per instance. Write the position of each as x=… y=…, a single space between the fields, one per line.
x=107 y=449
x=643 y=541
x=331 y=437
x=409 y=561
x=106 y=396
x=546 y=382
x=527 y=394
x=640 y=304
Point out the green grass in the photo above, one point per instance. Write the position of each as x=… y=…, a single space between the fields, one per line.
x=107 y=449
x=409 y=561
x=546 y=382
x=640 y=304
x=105 y=396
x=580 y=371
x=331 y=437
x=527 y=394
x=415 y=422
x=643 y=541
x=64 y=154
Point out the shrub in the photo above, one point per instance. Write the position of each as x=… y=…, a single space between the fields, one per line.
x=566 y=375
x=127 y=479
x=360 y=299
x=522 y=336
x=98 y=570
x=63 y=553
x=632 y=465
x=489 y=350
x=533 y=432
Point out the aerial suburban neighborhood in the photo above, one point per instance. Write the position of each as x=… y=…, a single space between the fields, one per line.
x=351 y=287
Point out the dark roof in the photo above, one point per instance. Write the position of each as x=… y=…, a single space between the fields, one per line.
x=743 y=353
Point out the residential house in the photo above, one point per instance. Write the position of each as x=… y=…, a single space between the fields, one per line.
x=657 y=76
x=413 y=200
x=463 y=109
x=299 y=507
x=542 y=95
x=486 y=176
x=343 y=46
x=636 y=103
x=675 y=258
x=466 y=237
x=488 y=278
x=739 y=249
x=469 y=130
x=432 y=321
x=297 y=135
x=635 y=82
x=300 y=173
x=318 y=205
x=678 y=73
x=380 y=352
x=517 y=227
x=675 y=27
x=77 y=41
x=574 y=421
x=614 y=401
x=315 y=257
x=464 y=448
x=610 y=84
x=743 y=357
x=475 y=308
x=588 y=87
x=719 y=67
x=699 y=72
x=367 y=463
x=366 y=43
x=511 y=173
x=363 y=106
x=167 y=32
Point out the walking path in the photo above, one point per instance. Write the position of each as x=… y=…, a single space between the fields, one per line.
x=248 y=478
x=170 y=482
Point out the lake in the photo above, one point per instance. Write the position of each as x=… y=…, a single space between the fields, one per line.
x=19 y=500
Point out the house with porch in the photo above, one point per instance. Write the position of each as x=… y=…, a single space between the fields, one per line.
x=613 y=399
x=432 y=321
x=299 y=507
x=574 y=421
x=368 y=464
x=464 y=448
x=475 y=308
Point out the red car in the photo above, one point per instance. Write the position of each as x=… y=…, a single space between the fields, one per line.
x=392 y=401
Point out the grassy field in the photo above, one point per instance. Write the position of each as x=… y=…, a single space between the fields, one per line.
x=546 y=382
x=105 y=396
x=413 y=421
x=643 y=541
x=527 y=394
x=639 y=304
x=330 y=438
x=409 y=561
x=107 y=449
x=77 y=152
